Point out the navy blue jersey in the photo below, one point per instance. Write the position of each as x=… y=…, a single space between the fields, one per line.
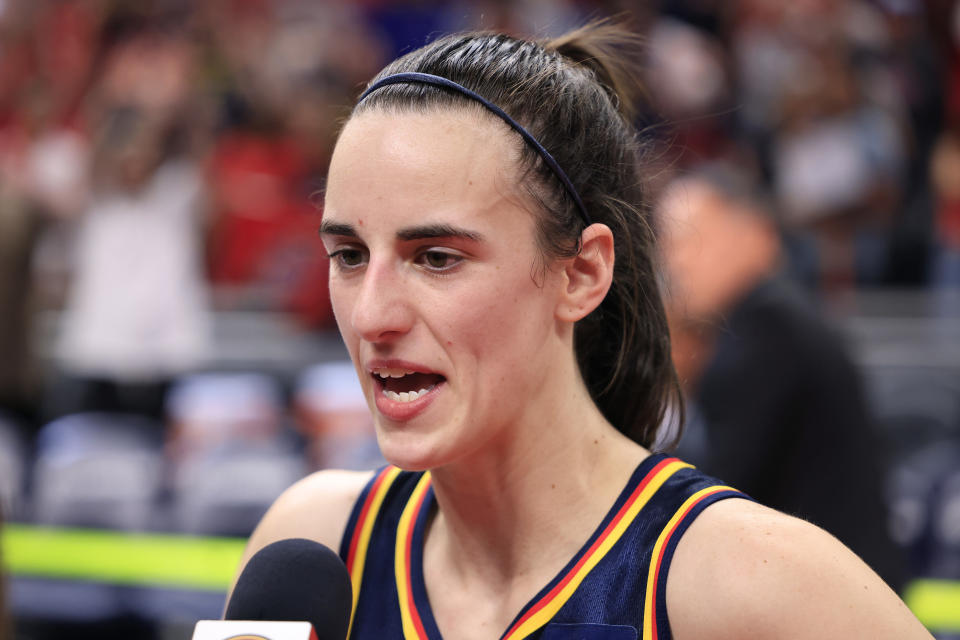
x=613 y=588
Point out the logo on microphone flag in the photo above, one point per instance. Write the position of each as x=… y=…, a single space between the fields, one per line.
x=253 y=630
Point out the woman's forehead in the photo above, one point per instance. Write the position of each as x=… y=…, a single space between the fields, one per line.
x=438 y=133
x=421 y=159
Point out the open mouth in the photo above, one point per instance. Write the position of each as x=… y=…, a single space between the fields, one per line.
x=403 y=385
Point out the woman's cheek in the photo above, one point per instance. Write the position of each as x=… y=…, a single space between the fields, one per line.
x=342 y=308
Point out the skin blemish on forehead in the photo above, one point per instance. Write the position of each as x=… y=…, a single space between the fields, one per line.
x=360 y=222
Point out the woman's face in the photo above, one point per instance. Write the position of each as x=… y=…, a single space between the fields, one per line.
x=436 y=283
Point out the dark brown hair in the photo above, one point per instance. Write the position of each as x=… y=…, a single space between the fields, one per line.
x=574 y=94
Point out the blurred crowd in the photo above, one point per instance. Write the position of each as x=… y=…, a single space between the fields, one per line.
x=847 y=113
x=161 y=163
x=162 y=160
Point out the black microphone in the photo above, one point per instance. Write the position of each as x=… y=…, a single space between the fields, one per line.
x=295 y=580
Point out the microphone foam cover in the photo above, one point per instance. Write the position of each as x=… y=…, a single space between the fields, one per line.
x=297 y=580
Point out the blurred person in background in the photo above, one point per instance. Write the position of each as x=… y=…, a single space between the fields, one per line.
x=821 y=104
x=137 y=315
x=689 y=88
x=917 y=60
x=46 y=52
x=945 y=182
x=944 y=171
x=818 y=91
x=19 y=230
x=280 y=70
x=780 y=407
x=838 y=164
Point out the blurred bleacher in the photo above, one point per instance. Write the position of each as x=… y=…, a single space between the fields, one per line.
x=114 y=529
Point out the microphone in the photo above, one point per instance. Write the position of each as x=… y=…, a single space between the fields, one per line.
x=293 y=589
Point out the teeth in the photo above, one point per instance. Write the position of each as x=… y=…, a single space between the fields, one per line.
x=392 y=373
x=407 y=396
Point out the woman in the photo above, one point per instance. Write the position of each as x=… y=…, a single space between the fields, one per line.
x=492 y=277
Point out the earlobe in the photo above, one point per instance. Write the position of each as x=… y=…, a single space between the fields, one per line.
x=588 y=274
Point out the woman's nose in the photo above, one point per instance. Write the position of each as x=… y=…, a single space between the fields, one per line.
x=382 y=309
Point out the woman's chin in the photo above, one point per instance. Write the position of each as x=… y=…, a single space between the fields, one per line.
x=408 y=453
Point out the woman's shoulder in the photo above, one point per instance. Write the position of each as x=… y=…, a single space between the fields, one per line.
x=316 y=507
x=743 y=570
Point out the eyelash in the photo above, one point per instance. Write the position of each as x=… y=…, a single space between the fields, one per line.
x=452 y=260
x=338 y=257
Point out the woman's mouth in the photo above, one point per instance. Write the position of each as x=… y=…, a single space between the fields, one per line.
x=400 y=386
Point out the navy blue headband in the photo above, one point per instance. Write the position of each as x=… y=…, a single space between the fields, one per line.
x=439 y=81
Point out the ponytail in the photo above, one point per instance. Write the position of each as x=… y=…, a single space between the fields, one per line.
x=610 y=52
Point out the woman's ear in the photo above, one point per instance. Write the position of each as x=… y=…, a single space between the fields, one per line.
x=588 y=275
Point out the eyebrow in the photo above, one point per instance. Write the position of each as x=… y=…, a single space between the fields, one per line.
x=422 y=232
x=337 y=229
x=428 y=231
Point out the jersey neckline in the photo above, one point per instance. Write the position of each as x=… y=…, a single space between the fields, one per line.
x=417 y=615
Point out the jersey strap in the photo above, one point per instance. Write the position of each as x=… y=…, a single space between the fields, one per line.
x=409 y=614
x=655 y=624
x=360 y=528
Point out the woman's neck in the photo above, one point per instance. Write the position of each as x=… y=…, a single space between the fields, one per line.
x=522 y=508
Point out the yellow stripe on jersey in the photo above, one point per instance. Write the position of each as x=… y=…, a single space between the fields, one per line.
x=544 y=610
x=412 y=625
x=653 y=575
x=365 y=530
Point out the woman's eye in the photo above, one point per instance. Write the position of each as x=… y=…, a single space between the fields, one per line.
x=439 y=259
x=348 y=257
